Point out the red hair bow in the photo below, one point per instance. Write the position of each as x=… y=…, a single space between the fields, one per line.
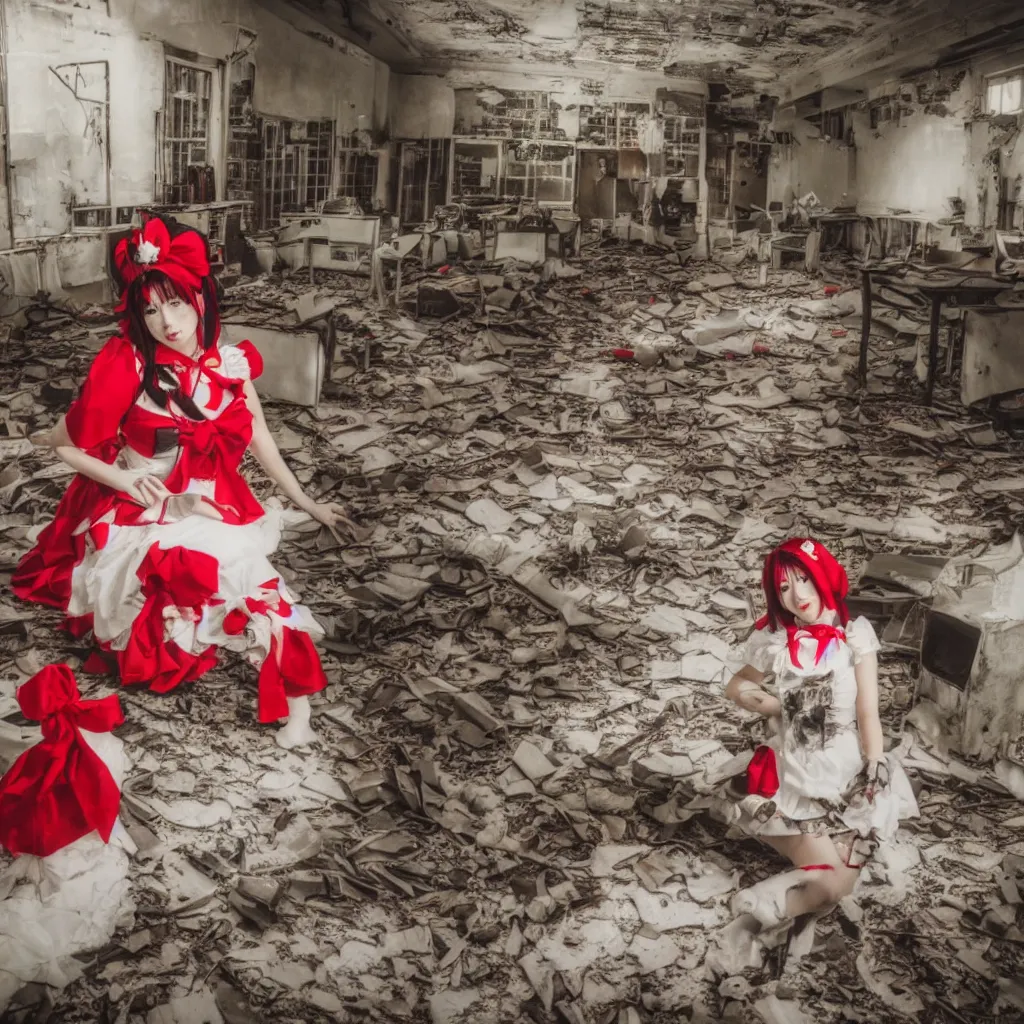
x=59 y=790
x=183 y=258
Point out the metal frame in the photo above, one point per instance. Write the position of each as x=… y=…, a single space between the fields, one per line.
x=352 y=162
x=291 y=160
x=494 y=143
x=532 y=177
x=166 y=140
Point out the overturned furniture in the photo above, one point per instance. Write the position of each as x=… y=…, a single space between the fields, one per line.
x=296 y=357
x=330 y=240
x=972 y=653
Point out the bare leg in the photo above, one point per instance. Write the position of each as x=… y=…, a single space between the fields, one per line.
x=794 y=893
x=297 y=732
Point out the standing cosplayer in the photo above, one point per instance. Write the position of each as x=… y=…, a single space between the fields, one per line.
x=822 y=792
x=158 y=547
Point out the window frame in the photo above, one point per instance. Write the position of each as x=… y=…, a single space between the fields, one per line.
x=172 y=190
x=1001 y=81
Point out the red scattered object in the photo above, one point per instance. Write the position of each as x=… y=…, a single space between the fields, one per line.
x=651 y=301
x=621 y=353
x=761 y=349
x=444 y=269
x=831 y=289
x=839 y=332
x=763 y=773
x=730 y=356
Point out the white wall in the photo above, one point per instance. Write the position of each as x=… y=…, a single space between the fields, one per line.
x=932 y=151
x=297 y=76
x=810 y=164
x=421 y=107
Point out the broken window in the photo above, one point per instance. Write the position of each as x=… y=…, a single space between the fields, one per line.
x=615 y=125
x=506 y=113
x=833 y=125
x=540 y=171
x=357 y=172
x=296 y=167
x=682 y=145
x=185 y=148
x=475 y=169
x=245 y=139
x=83 y=105
x=631 y=118
x=719 y=177
x=1004 y=93
x=423 y=178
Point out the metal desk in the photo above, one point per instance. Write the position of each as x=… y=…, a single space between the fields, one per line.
x=973 y=287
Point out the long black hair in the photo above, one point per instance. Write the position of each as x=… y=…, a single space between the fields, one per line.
x=159 y=382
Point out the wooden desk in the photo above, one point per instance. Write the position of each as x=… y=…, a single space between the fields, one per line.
x=972 y=287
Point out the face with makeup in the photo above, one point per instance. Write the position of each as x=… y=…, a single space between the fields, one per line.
x=800 y=597
x=171 y=320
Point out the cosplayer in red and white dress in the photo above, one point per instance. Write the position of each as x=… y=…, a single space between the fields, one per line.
x=158 y=547
x=822 y=792
x=67 y=889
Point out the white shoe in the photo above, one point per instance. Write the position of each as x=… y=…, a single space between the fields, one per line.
x=766 y=901
x=759 y=808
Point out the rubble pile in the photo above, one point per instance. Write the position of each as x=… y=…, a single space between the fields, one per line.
x=566 y=483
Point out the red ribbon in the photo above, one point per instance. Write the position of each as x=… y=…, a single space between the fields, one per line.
x=821 y=632
x=291 y=669
x=59 y=790
x=235 y=621
x=173 y=577
x=208 y=445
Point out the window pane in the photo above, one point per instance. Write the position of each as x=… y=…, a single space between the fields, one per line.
x=1011 y=96
x=995 y=97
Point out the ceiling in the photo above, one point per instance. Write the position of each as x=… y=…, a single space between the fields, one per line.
x=748 y=44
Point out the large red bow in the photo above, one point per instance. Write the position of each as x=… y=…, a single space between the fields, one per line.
x=205 y=443
x=171 y=578
x=183 y=258
x=59 y=790
x=821 y=632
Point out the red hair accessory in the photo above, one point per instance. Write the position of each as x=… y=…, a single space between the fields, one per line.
x=829 y=579
x=60 y=789
x=183 y=258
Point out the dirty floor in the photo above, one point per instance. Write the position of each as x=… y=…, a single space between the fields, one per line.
x=527 y=649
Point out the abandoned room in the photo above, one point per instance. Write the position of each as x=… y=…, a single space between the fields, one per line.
x=510 y=511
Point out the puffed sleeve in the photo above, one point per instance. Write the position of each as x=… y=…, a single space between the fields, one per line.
x=761 y=649
x=110 y=390
x=861 y=637
x=241 y=361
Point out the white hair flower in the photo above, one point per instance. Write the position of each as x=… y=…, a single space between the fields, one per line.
x=147 y=252
x=808 y=549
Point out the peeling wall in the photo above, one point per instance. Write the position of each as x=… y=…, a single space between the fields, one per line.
x=932 y=149
x=297 y=76
x=810 y=164
x=423 y=106
x=919 y=160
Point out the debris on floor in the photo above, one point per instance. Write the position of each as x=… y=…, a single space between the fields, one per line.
x=527 y=645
